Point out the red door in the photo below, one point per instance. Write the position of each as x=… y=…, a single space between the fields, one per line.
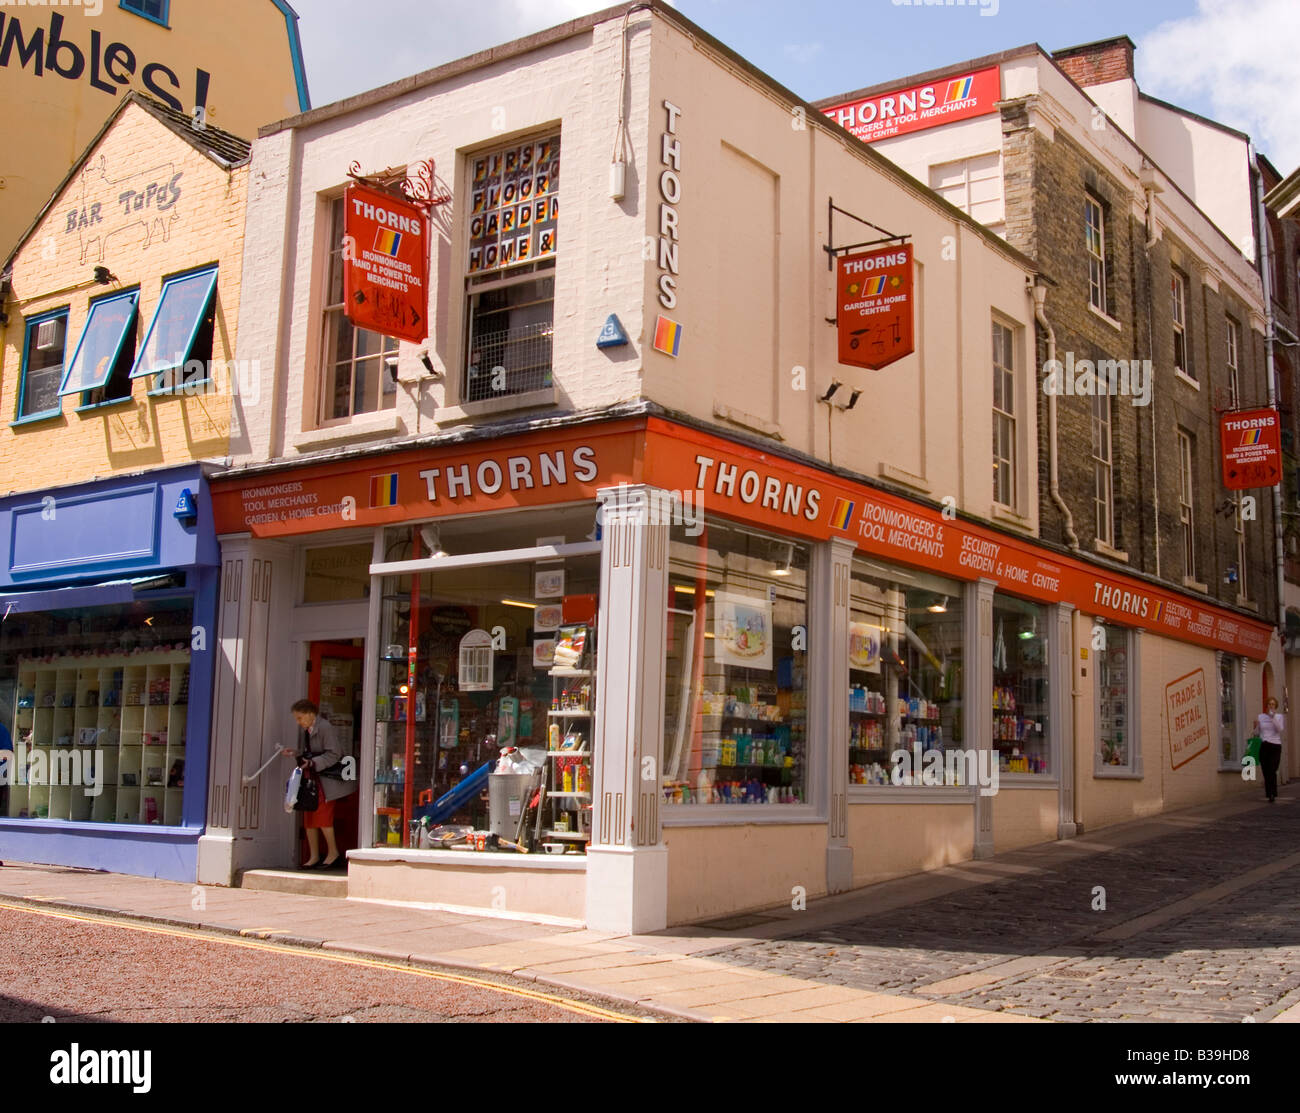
x=334 y=684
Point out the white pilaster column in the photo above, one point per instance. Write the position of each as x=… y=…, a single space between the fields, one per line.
x=246 y=824
x=828 y=690
x=627 y=863
x=978 y=697
x=1061 y=681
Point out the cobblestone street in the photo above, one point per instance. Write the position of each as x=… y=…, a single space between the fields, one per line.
x=1200 y=924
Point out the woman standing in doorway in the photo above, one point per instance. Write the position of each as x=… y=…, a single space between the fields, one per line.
x=1271 y=725
x=322 y=750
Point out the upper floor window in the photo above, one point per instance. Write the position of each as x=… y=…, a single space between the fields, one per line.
x=156 y=10
x=1233 y=333
x=101 y=364
x=177 y=348
x=1102 y=469
x=1095 y=235
x=510 y=276
x=974 y=185
x=1186 y=502
x=42 y=370
x=1004 y=416
x=1178 y=292
x=359 y=367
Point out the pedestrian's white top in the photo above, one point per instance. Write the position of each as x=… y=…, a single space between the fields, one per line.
x=1271 y=727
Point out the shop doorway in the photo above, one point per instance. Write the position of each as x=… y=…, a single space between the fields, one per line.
x=335 y=671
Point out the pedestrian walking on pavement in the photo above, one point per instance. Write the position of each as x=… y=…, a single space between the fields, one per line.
x=322 y=750
x=1271 y=724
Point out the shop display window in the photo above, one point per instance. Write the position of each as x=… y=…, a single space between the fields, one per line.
x=736 y=679
x=479 y=661
x=97 y=703
x=906 y=642
x=1116 y=747
x=337 y=573
x=1231 y=740
x=1021 y=730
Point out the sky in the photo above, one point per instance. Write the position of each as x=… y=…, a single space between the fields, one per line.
x=1235 y=61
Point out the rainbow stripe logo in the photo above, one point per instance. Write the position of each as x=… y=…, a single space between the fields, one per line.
x=873 y=287
x=383 y=490
x=387 y=242
x=958 y=90
x=668 y=337
x=1250 y=437
x=842 y=515
x=1160 y=610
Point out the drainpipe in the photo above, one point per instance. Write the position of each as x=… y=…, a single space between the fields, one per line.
x=1151 y=187
x=1266 y=280
x=1054 y=487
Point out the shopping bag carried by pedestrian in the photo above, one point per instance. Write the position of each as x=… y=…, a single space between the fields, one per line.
x=1253 y=744
x=291 y=790
x=302 y=793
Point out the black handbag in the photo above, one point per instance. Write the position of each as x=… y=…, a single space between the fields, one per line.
x=308 y=791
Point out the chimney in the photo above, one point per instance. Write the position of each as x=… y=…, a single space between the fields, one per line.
x=1099 y=62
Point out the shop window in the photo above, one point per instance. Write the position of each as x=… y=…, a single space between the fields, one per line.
x=1178 y=292
x=97 y=702
x=97 y=370
x=1094 y=221
x=505 y=657
x=1004 y=415
x=736 y=679
x=1102 y=468
x=43 y=351
x=1186 y=502
x=510 y=283
x=906 y=639
x=1021 y=726
x=1232 y=742
x=1118 y=748
x=177 y=349
x=358 y=367
x=337 y=574
x=155 y=10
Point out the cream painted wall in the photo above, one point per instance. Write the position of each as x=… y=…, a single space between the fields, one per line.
x=1024 y=817
x=926 y=420
x=714 y=871
x=892 y=840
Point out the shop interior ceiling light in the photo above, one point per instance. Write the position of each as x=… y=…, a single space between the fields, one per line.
x=519 y=603
x=785 y=569
x=432 y=538
x=939 y=607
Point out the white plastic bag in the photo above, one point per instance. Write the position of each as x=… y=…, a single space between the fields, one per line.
x=291 y=789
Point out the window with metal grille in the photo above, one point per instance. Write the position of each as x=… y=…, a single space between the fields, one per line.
x=510 y=269
x=1234 y=380
x=358 y=367
x=1178 y=290
x=1095 y=235
x=1186 y=508
x=1004 y=416
x=1103 y=483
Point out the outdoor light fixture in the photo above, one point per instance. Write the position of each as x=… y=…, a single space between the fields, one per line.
x=104 y=276
x=391 y=363
x=835 y=385
x=428 y=366
x=853 y=400
x=432 y=538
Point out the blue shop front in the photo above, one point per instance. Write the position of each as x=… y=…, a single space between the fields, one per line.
x=108 y=601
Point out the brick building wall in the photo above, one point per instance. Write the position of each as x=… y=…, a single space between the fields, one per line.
x=1047 y=181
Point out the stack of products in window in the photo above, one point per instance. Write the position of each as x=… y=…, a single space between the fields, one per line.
x=577 y=698
x=569 y=647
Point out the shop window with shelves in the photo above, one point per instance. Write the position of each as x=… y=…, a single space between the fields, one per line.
x=1021 y=725
x=736 y=679
x=906 y=646
x=97 y=701
x=1118 y=749
x=474 y=661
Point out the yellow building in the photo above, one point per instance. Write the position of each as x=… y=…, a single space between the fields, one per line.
x=120 y=306
x=69 y=64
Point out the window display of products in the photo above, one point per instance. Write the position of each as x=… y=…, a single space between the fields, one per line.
x=1113 y=697
x=736 y=696
x=1020 y=686
x=905 y=658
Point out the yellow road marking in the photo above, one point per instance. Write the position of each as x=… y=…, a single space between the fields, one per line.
x=347 y=960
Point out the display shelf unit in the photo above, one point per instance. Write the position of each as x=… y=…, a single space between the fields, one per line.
x=567 y=806
x=127 y=712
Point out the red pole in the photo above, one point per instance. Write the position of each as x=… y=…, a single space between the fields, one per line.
x=412 y=652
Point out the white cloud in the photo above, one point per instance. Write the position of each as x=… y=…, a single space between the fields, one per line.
x=351 y=47
x=1241 y=57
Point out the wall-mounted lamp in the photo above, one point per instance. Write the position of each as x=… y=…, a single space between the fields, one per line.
x=104 y=276
x=830 y=391
x=429 y=368
x=432 y=538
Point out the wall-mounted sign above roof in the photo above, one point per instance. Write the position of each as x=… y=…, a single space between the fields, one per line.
x=920 y=106
x=385 y=264
x=874 y=310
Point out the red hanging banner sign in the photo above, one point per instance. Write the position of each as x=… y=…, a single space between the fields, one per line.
x=1252 y=449
x=385 y=264
x=874 y=309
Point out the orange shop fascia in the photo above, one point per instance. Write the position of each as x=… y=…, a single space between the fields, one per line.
x=722 y=477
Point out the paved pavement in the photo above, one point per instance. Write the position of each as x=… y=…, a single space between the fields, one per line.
x=1200 y=922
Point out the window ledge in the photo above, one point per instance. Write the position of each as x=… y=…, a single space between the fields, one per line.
x=732 y=815
x=1116 y=325
x=106 y=404
x=181 y=388
x=1028 y=780
x=1196 y=585
x=912 y=794
x=484 y=860
x=1007 y=516
x=1245 y=603
x=531 y=399
x=906 y=478
x=366 y=426
x=1119 y=773
x=1179 y=373
x=33 y=419
x=1105 y=550
x=748 y=421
